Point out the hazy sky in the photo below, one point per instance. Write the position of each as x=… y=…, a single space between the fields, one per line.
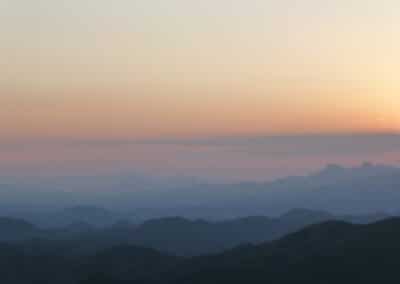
x=130 y=69
x=220 y=159
x=140 y=69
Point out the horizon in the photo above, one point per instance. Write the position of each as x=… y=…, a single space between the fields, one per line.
x=103 y=87
x=154 y=74
x=335 y=189
x=218 y=159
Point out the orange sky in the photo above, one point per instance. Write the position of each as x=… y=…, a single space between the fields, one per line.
x=150 y=69
x=126 y=116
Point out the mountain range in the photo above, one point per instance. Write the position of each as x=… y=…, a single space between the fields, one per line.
x=327 y=252
x=359 y=190
x=177 y=235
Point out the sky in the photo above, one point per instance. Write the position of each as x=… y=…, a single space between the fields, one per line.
x=122 y=70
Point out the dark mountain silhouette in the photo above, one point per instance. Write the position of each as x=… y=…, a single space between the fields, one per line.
x=16 y=229
x=328 y=252
x=129 y=263
x=180 y=236
x=23 y=265
x=186 y=237
x=331 y=252
x=53 y=262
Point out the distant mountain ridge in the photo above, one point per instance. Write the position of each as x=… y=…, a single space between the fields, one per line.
x=186 y=237
x=358 y=190
x=181 y=236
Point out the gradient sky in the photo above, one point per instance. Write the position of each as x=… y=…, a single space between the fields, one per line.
x=129 y=69
x=164 y=68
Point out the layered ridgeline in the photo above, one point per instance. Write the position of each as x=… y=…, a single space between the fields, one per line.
x=341 y=190
x=329 y=252
x=176 y=235
x=95 y=245
x=332 y=252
